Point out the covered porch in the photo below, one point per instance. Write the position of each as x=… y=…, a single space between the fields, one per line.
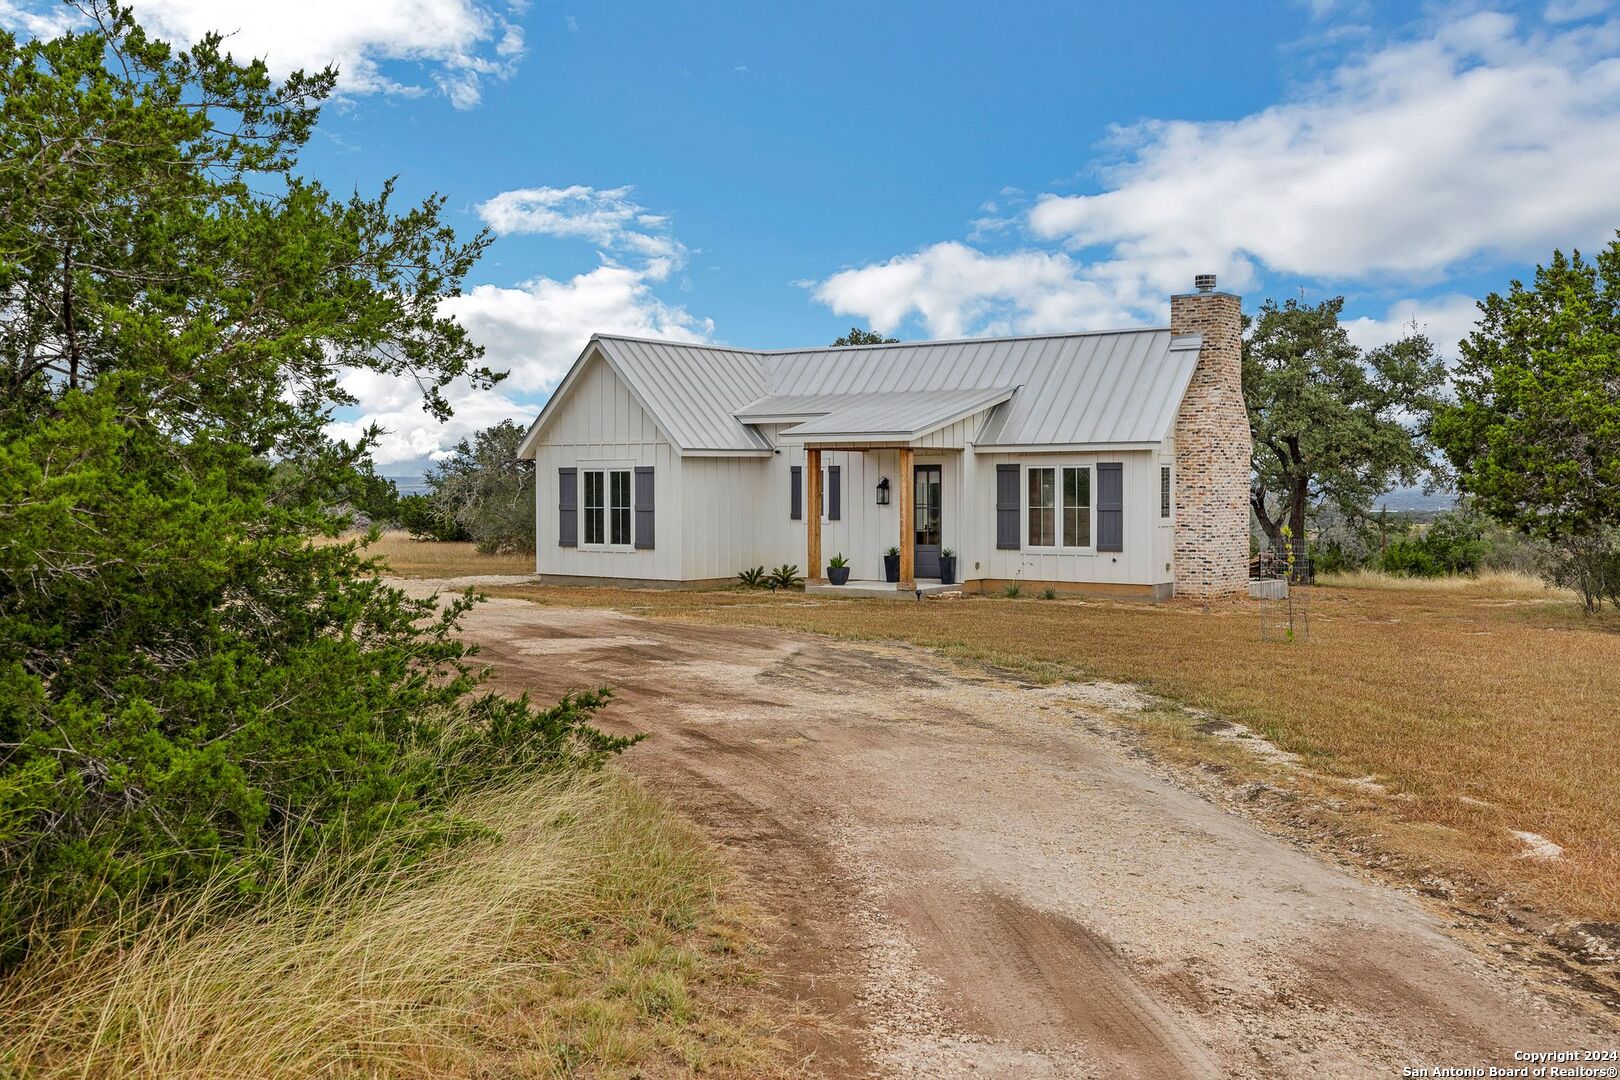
x=919 y=437
x=905 y=536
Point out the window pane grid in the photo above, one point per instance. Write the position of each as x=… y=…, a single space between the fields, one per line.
x=621 y=506
x=607 y=507
x=1164 y=491
x=1077 y=507
x=1042 y=508
x=593 y=508
x=926 y=506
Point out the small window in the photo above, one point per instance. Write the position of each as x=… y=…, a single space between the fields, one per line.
x=1164 y=491
x=1042 y=508
x=1076 y=507
x=595 y=523
x=620 y=506
x=607 y=507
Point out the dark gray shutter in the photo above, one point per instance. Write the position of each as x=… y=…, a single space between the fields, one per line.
x=643 y=502
x=568 y=508
x=796 y=494
x=835 y=492
x=1110 y=506
x=1007 y=507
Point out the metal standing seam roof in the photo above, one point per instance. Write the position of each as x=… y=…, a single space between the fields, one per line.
x=1106 y=388
x=898 y=414
x=692 y=390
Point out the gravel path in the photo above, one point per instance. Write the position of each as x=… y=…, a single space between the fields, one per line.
x=974 y=877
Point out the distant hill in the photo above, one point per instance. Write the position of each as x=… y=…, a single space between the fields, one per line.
x=1412 y=498
x=409 y=485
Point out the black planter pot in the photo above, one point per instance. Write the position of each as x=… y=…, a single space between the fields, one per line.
x=838 y=575
x=947 y=569
x=891 y=568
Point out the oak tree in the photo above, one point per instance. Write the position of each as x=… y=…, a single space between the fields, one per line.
x=1331 y=423
x=1534 y=429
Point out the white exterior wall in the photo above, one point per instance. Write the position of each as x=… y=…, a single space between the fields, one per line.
x=718 y=515
x=865 y=530
x=1140 y=563
x=601 y=425
x=863 y=533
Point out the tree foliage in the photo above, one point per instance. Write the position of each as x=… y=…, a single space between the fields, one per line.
x=1453 y=543
x=486 y=491
x=1330 y=423
x=1534 y=430
x=187 y=678
x=857 y=336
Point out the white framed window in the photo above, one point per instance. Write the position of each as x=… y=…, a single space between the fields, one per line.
x=606 y=505
x=1058 y=508
x=1042 y=507
x=1076 y=506
x=1164 y=491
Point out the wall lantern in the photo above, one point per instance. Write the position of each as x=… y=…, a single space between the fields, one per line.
x=883 y=492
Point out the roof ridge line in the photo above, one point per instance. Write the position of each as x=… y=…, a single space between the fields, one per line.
x=970 y=340
x=887 y=345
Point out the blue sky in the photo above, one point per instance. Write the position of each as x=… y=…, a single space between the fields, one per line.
x=767 y=175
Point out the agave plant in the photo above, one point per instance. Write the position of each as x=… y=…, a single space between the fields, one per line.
x=837 y=562
x=752 y=578
x=785 y=576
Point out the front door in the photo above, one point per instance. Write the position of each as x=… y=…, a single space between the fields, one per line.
x=927 y=486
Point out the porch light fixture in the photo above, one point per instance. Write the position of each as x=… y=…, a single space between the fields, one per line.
x=883 y=492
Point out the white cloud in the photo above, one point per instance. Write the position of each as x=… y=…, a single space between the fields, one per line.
x=1445 y=319
x=44 y=21
x=459 y=44
x=534 y=331
x=1480 y=140
x=411 y=435
x=953 y=288
x=1559 y=11
x=537 y=329
x=606 y=217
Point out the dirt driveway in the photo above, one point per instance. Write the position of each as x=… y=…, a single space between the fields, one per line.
x=975 y=877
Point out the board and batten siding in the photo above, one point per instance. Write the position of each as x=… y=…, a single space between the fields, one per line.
x=1164 y=535
x=864 y=530
x=1139 y=563
x=602 y=425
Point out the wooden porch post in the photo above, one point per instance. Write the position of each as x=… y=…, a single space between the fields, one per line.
x=908 y=522
x=812 y=514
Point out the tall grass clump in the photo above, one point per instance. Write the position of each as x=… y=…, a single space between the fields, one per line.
x=563 y=937
x=409 y=557
x=1501 y=583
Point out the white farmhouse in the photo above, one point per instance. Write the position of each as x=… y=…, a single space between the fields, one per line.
x=1107 y=463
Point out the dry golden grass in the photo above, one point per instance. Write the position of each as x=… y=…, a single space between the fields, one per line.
x=1490 y=583
x=1478 y=711
x=591 y=938
x=436 y=559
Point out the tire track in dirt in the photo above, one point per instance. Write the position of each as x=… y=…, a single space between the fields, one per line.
x=1044 y=981
x=970 y=877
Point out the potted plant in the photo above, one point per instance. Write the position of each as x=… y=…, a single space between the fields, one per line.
x=947 y=566
x=891 y=565
x=838 y=570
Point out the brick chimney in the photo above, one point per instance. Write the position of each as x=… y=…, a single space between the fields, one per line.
x=1212 y=447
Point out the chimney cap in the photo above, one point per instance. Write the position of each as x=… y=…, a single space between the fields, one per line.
x=1204 y=282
